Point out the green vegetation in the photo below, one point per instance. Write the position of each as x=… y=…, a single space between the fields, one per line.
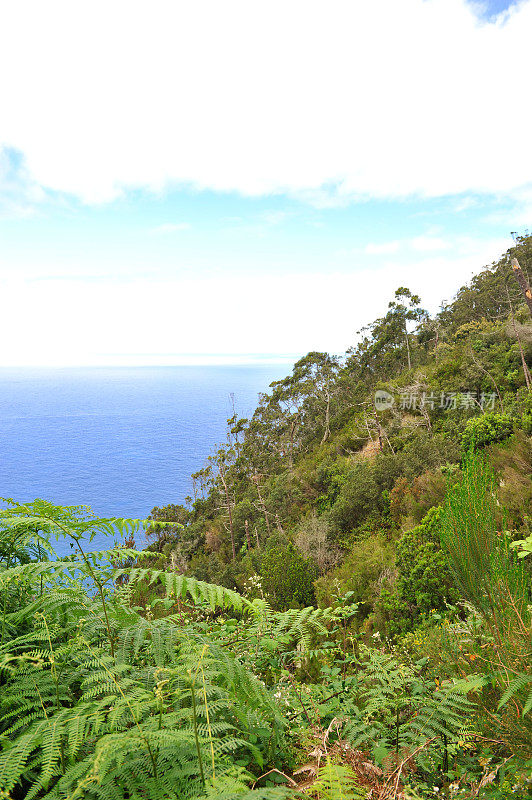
x=486 y=429
x=343 y=610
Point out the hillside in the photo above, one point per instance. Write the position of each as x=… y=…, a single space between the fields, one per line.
x=342 y=611
x=315 y=492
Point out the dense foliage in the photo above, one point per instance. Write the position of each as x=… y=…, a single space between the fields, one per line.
x=486 y=429
x=342 y=611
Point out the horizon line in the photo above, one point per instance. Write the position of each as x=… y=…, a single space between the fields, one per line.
x=162 y=360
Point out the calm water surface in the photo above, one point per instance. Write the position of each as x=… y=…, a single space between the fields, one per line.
x=121 y=440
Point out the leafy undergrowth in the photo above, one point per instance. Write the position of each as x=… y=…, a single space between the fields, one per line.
x=203 y=693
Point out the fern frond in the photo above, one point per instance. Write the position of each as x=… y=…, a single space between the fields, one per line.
x=514 y=687
x=182 y=587
x=337 y=782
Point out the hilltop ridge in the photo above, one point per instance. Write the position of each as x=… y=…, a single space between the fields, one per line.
x=343 y=456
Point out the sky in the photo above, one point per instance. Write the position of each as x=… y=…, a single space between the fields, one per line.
x=246 y=181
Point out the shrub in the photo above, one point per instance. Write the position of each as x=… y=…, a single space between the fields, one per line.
x=424 y=451
x=412 y=500
x=424 y=582
x=524 y=409
x=486 y=429
x=496 y=585
x=287 y=576
x=312 y=539
x=361 y=494
x=368 y=564
x=331 y=476
x=512 y=463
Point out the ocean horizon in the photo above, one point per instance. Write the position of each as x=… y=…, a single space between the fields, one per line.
x=120 y=440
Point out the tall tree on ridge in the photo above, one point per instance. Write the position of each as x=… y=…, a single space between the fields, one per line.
x=406 y=309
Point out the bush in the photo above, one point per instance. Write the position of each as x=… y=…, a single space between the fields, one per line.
x=512 y=463
x=360 y=495
x=497 y=586
x=424 y=583
x=287 y=576
x=486 y=429
x=524 y=410
x=412 y=500
x=312 y=539
x=369 y=563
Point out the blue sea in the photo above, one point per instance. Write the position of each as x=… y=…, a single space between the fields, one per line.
x=118 y=439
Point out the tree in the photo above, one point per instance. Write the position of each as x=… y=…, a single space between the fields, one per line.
x=161 y=535
x=221 y=463
x=300 y=402
x=380 y=353
x=405 y=308
x=523 y=283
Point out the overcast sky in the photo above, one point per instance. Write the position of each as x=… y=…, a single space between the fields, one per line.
x=196 y=181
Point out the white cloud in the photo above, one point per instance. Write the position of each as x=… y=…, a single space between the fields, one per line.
x=277 y=313
x=516 y=214
x=172 y=227
x=273 y=218
x=19 y=195
x=427 y=244
x=464 y=204
x=381 y=248
x=263 y=221
x=327 y=101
